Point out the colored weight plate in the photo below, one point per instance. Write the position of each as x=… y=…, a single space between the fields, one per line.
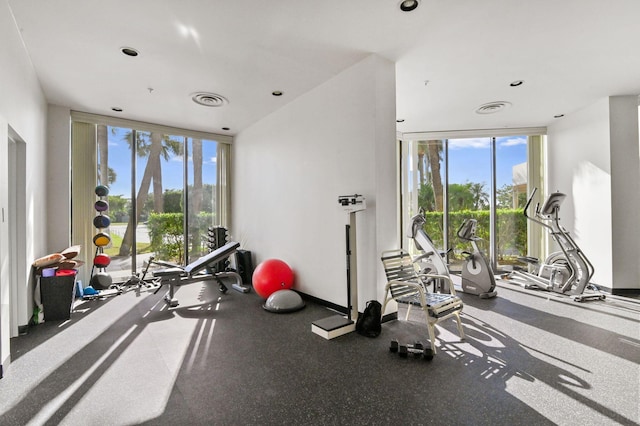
x=101 y=206
x=101 y=239
x=101 y=221
x=101 y=281
x=101 y=260
x=102 y=191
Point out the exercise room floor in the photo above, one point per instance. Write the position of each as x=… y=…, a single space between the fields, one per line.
x=530 y=358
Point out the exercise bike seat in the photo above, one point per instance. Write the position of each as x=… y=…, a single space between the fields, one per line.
x=552 y=203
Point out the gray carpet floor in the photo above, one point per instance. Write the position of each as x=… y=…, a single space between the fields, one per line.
x=530 y=358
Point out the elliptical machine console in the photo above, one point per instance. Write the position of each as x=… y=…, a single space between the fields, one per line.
x=477 y=274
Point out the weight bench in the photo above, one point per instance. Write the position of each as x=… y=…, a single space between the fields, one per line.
x=179 y=275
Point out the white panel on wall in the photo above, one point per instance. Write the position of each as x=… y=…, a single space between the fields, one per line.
x=594 y=158
x=290 y=168
x=579 y=165
x=625 y=191
x=24 y=109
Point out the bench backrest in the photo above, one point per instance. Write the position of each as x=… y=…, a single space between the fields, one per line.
x=215 y=256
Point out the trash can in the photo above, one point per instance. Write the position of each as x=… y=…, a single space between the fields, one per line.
x=57 y=294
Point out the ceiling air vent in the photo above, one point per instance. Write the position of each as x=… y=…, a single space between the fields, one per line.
x=209 y=99
x=492 y=107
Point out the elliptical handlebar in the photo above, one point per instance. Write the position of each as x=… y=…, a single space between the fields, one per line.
x=537 y=218
x=526 y=206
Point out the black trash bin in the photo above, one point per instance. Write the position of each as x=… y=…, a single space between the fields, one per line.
x=57 y=294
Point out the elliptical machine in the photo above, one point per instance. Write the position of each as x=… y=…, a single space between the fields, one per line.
x=432 y=261
x=567 y=271
x=477 y=274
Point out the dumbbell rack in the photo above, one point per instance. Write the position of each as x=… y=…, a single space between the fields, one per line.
x=217 y=236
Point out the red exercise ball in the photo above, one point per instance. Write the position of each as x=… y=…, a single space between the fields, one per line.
x=270 y=276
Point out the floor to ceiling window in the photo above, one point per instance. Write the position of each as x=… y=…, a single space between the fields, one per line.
x=483 y=178
x=163 y=192
x=468 y=192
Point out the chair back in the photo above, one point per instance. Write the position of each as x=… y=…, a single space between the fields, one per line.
x=399 y=267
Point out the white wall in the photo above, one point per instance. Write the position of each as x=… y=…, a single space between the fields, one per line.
x=625 y=191
x=290 y=168
x=593 y=158
x=59 y=171
x=23 y=108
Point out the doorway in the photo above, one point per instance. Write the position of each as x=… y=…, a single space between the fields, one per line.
x=16 y=218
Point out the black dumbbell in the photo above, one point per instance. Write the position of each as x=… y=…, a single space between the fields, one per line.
x=404 y=351
x=417 y=349
x=428 y=354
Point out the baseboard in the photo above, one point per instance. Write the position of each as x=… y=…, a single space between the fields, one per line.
x=620 y=291
x=343 y=310
x=390 y=317
x=624 y=291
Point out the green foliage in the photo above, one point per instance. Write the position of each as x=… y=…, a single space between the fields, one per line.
x=426 y=197
x=471 y=201
x=504 y=197
x=172 y=199
x=118 y=208
x=511 y=227
x=460 y=197
x=166 y=232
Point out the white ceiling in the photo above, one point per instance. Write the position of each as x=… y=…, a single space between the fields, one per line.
x=569 y=54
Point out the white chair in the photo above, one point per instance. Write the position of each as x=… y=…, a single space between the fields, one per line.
x=405 y=285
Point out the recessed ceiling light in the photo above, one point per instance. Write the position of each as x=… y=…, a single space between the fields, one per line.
x=277 y=93
x=558 y=116
x=492 y=107
x=516 y=83
x=209 y=99
x=116 y=109
x=408 y=5
x=129 y=51
x=400 y=120
x=226 y=128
